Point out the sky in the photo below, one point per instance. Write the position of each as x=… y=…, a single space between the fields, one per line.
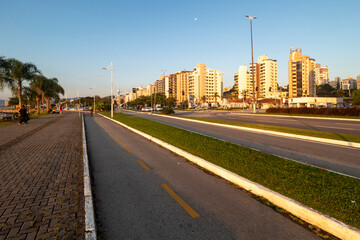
x=73 y=40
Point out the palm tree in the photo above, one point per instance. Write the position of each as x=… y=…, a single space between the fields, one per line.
x=216 y=95
x=52 y=90
x=244 y=93
x=39 y=86
x=203 y=99
x=16 y=73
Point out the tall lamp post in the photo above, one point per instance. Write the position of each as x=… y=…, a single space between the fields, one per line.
x=252 y=63
x=110 y=68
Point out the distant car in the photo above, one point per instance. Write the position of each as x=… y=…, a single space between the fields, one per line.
x=146 y=109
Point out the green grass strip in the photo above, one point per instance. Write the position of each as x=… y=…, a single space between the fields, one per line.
x=330 y=193
x=297 y=131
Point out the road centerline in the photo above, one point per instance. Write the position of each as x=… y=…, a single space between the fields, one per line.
x=182 y=203
x=143 y=165
x=127 y=149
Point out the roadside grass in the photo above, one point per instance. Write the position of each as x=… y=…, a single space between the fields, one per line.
x=35 y=115
x=310 y=115
x=330 y=193
x=297 y=131
x=3 y=124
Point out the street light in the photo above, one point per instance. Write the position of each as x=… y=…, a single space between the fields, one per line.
x=93 y=88
x=112 y=71
x=252 y=63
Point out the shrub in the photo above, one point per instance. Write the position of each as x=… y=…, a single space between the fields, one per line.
x=168 y=110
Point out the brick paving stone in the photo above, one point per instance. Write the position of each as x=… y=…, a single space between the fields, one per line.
x=41 y=181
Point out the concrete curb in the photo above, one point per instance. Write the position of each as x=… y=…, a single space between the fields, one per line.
x=289 y=135
x=329 y=224
x=90 y=227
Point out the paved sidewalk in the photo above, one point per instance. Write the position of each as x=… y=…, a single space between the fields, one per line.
x=13 y=131
x=41 y=181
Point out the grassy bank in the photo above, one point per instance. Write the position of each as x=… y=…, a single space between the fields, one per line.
x=329 y=193
x=328 y=135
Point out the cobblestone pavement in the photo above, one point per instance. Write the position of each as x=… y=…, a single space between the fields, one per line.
x=41 y=182
x=13 y=131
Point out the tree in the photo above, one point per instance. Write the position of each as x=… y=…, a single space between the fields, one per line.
x=39 y=87
x=203 y=98
x=356 y=97
x=52 y=90
x=216 y=95
x=15 y=73
x=325 y=90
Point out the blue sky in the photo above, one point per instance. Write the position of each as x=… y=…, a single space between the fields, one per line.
x=73 y=40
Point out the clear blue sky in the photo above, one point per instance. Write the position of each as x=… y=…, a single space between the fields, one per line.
x=73 y=40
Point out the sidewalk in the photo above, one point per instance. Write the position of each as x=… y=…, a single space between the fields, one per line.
x=41 y=179
x=13 y=131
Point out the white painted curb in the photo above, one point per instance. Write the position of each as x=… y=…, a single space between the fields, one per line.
x=329 y=224
x=90 y=227
x=302 y=137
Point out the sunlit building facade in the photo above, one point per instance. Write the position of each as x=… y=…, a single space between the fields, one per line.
x=301 y=75
x=205 y=82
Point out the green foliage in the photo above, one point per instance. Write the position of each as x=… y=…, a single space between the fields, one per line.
x=355 y=97
x=330 y=193
x=168 y=110
x=325 y=90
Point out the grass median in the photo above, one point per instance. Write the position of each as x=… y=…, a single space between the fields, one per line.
x=297 y=131
x=330 y=193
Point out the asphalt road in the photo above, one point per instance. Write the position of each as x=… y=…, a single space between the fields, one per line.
x=344 y=160
x=348 y=126
x=133 y=202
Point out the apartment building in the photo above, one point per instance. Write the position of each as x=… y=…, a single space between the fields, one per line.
x=182 y=86
x=348 y=83
x=358 y=82
x=265 y=75
x=242 y=82
x=321 y=74
x=206 y=82
x=301 y=75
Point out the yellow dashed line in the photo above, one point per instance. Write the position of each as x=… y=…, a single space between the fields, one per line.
x=180 y=201
x=111 y=134
x=143 y=165
x=127 y=149
x=118 y=140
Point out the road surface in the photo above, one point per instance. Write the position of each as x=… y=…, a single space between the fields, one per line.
x=348 y=126
x=143 y=191
x=340 y=159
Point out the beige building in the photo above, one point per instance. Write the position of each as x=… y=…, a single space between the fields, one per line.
x=265 y=74
x=182 y=86
x=206 y=82
x=301 y=75
x=321 y=74
x=358 y=82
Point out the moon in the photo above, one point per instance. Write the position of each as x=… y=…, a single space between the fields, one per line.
x=195 y=19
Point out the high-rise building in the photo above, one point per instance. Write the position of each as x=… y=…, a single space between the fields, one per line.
x=348 y=83
x=301 y=75
x=182 y=86
x=267 y=77
x=265 y=74
x=358 y=82
x=321 y=74
x=205 y=82
x=242 y=82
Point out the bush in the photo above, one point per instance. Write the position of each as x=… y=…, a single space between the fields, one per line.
x=353 y=111
x=168 y=110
